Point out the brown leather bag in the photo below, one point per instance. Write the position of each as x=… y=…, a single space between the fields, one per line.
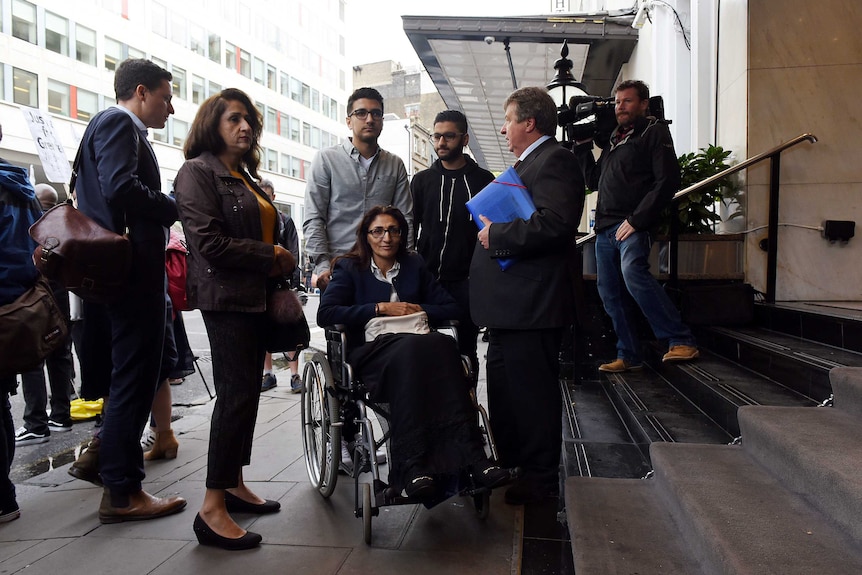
x=87 y=259
x=31 y=327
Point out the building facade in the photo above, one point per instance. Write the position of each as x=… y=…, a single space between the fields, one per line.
x=289 y=56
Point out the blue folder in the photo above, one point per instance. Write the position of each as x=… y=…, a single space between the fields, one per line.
x=503 y=200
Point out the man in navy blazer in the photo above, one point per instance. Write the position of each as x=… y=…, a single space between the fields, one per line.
x=527 y=306
x=119 y=186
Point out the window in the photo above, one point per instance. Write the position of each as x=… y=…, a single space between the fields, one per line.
x=270 y=123
x=213 y=89
x=284 y=84
x=159 y=62
x=87 y=104
x=230 y=56
x=160 y=20
x=306 y=134
x=198 y=90
x=284 y=168
x=315 y=100
x=283 y=122
x=178 y=84
x=295 y=168
x=56 y=34
x=306 y=95
x=197 y=40
x=271 y=77
x=258 y=70
x=134 y=53
x=295 y=90
x=178 y=29
x=85 y=43
x=315 y=138
x=58 y=98
x=180 y=132
x=271 y=160
x=24 y=21
x=25 y=88
x=294 y=129
x=113 y=53
x=245 y=63
x=215 y=48
x=162 y=135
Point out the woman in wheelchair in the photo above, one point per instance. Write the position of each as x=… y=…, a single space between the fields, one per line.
x=434 y=430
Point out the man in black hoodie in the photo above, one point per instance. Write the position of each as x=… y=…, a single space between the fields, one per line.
x=445 y=230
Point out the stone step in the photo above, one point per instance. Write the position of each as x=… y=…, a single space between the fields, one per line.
x=817 y=452
x=800 y=364
x=622 y=526
x=719 y=387
x=830 y=323
x=655 y=411
x=736 y=518
x=847 y=388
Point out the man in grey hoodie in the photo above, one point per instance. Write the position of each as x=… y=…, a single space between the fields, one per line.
x=445 y=230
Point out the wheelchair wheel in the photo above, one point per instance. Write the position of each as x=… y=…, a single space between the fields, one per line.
x=366 y=512
x=321 y=431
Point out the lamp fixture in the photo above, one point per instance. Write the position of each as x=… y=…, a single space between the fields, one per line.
x=641 y=15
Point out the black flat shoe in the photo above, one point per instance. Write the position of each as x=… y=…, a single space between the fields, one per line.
x=207 y=536
x=236 y=505
x=420 y=487
x=490 y=475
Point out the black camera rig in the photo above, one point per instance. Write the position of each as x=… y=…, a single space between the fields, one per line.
x=593 y=117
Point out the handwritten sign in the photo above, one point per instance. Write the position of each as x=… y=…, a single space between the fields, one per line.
x=48 y=145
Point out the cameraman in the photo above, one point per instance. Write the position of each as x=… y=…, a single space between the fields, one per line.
x=636 y=177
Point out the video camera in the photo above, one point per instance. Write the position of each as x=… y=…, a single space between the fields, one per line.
x=594 y=117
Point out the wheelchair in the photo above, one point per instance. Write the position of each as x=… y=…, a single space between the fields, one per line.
x=331 y=395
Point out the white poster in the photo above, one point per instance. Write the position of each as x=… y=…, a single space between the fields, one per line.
x=48 y=146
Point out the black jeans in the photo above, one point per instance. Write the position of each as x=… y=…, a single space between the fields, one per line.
x=61 y=371
x=238 y=352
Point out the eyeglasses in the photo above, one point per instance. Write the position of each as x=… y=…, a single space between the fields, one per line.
x=378 y=233
x=362 y=113
x=448 y=136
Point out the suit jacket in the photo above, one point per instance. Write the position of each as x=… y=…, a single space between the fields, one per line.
x=535 y=292
x=119 y=186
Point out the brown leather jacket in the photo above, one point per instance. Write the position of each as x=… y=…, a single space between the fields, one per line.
x=228 y=261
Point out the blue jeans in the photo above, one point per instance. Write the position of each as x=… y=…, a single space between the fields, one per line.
x=624 y=265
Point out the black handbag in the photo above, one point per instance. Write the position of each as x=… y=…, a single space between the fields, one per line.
x=31 y=327
x=286 y=329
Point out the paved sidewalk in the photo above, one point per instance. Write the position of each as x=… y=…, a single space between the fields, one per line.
x=59 y=529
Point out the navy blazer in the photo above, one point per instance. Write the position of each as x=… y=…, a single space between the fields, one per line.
x=119 y=186
x=352 y=292
x=535 y=292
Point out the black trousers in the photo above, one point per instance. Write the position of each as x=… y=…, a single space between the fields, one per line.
x=524 y=400
x=137 y=325
x=238 y=352
x=7 y=443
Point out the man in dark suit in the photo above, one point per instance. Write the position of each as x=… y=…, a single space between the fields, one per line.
x=119 y=186
x=527 y=306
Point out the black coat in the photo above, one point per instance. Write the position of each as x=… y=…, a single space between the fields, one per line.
x=535 y=292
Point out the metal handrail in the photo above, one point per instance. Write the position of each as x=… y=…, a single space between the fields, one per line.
x=774 y=156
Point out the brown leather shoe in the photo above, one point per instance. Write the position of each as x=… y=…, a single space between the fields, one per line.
x=680 y=353
x=619 y=366
x=141 y=506
x=86 y=467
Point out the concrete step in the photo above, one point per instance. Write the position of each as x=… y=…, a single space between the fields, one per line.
x=718 y=387
x=826 y=322
x=621 y=526
x=816 y=453
x=736 y=518
x=800 y=364
x=847 y=389
x=654 y=410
